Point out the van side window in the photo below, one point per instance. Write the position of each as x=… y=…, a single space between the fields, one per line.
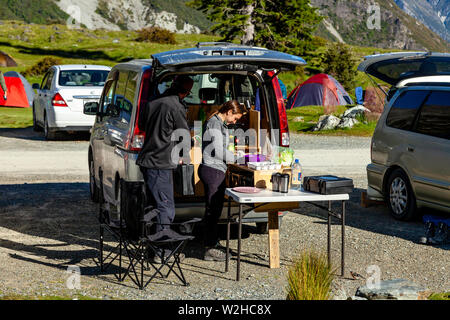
x=109 y=94
x=127 y=105
x=434 y=118
x=119 y=94
x=403 y=112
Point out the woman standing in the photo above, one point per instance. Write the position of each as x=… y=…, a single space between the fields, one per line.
x=212 y=171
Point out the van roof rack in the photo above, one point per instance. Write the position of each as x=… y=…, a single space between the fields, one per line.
x=222 y=44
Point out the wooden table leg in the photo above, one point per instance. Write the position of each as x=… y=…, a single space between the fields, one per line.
x=274 y=240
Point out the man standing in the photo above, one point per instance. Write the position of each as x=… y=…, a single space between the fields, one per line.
x=159 y=119
x=3 y=85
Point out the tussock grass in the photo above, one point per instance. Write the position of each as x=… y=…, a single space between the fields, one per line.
x=310 y=277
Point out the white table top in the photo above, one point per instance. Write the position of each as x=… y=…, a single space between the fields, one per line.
x=267 y=196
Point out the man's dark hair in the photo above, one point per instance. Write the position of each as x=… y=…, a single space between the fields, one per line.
x=181 y=84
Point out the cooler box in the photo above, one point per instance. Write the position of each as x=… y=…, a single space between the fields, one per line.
x=328 y=184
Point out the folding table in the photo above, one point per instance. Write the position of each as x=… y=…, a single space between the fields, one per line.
x=267 y=196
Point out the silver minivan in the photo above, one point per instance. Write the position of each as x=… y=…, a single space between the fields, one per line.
x=410 y=148
x=220 y=71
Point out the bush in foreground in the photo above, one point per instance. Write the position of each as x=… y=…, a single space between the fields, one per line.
x=310 y=277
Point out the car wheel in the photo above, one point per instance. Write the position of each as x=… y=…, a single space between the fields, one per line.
x=36 y=126
x=93 y=189
x=400 y=196
x=47 y=133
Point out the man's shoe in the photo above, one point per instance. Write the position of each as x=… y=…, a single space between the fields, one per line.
x=441 y=234
x=157 y=257
x=214 y=254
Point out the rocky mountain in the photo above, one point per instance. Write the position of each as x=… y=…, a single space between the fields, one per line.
x=435 y=14
x=173 y=15
x=357 y=23
x=354 y=22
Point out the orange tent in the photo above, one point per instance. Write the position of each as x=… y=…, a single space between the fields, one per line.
x=20 y=93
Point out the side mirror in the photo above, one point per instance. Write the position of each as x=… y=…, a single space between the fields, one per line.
x=90 y=108
x=35 y=86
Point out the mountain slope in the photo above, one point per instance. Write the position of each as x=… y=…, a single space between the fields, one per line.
x=398 y=30
x=435 y=14
x=31 y=11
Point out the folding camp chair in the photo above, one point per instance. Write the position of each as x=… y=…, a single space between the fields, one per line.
x=137 y=240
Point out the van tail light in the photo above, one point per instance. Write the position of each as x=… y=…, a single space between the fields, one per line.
x=136 y=136
x=284 y=127
x=58 y=101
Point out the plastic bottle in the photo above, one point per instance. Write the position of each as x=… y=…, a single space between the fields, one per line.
x=296 y=182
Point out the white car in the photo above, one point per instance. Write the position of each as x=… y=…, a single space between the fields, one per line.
x=58 y=104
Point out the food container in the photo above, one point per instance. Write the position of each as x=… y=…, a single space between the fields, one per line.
x=284 y=183
x=254 y=158
x=276 y=177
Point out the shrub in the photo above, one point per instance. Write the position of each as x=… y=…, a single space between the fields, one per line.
x=41 y=66
x=156 y=34
x=310 y=277
x=339 y=62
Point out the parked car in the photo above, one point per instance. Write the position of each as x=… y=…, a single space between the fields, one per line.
x=58 y=104
x=410 y=148
x=220 y=72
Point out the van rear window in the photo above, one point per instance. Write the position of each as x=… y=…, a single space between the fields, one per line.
x=82 y=78
x=434 y=118
x=403 y=112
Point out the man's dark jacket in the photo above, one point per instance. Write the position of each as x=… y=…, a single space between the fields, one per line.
x=159 y=119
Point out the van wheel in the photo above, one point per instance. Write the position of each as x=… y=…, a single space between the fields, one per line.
x=400 y=196
x=93 y=189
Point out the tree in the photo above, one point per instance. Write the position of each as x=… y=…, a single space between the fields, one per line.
x=284 y=25
x=339 y=62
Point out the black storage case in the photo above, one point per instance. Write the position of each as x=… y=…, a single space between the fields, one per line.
x=183 y=180
x=328 y=184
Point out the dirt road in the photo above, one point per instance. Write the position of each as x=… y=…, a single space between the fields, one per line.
x=47 y=224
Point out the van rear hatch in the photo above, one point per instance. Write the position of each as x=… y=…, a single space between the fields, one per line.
x=397 y=66
x=225 y=58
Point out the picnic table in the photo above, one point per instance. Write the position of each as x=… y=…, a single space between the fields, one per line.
x=265 y=197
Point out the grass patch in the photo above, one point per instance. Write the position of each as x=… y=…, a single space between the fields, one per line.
x=42 y=298
x=311 y=115
x=440 y=296
x=16 y=117
x=310 y=277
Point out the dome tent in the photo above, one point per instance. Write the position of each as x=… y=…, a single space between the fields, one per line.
x=20 y=93
x=319 y=90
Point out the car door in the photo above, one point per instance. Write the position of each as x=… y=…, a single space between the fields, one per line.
x=47 y=93
x=117 y=121
x=99 y=128
x=430 y=144
x=38 y=103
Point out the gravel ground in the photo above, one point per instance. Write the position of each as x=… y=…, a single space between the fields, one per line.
x=48 y=224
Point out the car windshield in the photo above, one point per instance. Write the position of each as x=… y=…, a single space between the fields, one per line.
x=83 y=78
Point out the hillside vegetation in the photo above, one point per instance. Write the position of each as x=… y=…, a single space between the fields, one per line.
x=32 y=11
